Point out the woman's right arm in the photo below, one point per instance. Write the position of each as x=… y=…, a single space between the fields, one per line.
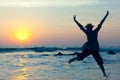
x=79 y=25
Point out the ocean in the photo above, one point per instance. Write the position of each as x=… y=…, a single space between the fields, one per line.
x=31 y=65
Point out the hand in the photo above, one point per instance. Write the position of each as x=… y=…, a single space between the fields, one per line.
x=74 y=17
x=107 y=13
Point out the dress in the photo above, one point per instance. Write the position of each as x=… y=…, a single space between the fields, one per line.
x=91 y=47
x=92 y=42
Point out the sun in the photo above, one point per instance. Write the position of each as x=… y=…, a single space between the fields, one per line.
x=22 y=37
x=22 y=34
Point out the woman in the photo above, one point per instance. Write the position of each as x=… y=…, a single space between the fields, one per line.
x=91 y=47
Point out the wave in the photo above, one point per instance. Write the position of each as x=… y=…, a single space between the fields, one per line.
x=51 y=49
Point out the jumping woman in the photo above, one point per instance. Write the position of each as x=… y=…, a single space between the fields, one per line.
x=91 y=47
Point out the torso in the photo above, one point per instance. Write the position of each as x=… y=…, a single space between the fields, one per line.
x=92 y=42
x=92 y=36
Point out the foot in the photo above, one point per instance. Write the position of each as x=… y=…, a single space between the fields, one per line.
x=71 y=60
x=105 y=75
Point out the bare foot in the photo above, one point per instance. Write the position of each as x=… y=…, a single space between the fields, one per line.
x=71 y=60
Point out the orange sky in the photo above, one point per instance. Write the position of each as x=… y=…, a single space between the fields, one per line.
x=51 y=23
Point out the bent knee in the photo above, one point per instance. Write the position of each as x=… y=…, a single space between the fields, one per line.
x=79 y=58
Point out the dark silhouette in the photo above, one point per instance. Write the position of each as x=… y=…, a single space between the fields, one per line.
x=111 y=53
x=61 y=54
x=91 y=47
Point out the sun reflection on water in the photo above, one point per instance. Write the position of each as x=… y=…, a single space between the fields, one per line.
x=23 y=72
x=22 y=62
x=26 y=69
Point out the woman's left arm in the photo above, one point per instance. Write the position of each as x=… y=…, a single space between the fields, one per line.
x=102 y=21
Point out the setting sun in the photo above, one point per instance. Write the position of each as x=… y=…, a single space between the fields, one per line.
x=22 y=37
x=22 y=33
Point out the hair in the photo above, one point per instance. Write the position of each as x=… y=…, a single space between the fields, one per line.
x=89 y=26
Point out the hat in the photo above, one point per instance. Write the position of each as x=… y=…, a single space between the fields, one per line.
x=89 y=26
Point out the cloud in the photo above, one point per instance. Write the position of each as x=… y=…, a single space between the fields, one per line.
x=45 y=3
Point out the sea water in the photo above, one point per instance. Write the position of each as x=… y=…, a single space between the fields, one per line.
x=46 y=66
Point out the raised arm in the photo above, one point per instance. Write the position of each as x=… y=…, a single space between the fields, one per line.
x=79 y=25
x=102 y=21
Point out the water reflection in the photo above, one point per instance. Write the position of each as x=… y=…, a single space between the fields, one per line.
x=22 y=62
x=23 y=72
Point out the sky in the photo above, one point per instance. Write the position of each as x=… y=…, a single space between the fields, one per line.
x=50 y=22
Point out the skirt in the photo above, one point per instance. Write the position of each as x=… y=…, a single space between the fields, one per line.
x=91 y=46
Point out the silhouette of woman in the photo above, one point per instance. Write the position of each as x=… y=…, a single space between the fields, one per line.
x=91 y=47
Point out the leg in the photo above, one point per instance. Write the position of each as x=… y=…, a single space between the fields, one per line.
x=99 y=61
x=80 y=56
x=103 y=70
x=72 y=60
